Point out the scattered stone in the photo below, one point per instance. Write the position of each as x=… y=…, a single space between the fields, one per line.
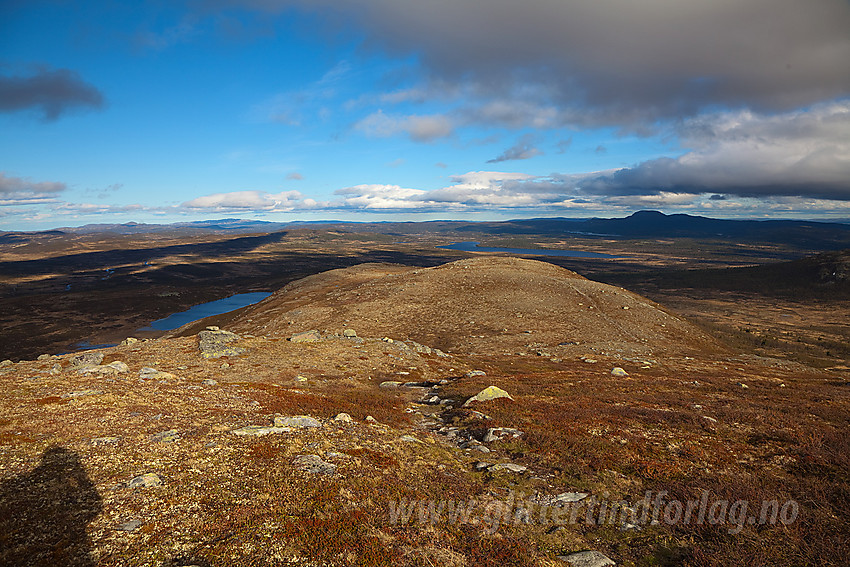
x=488 y=393
x=590 y=360
x=148 y=373
x=43 y=357
x=587 y=559
x=387 y=340
x=314 y=464
x=434 y=400
x=57 y=368
x=510 y=467
x=500 y=433
x=224 y=366
x=617 y=371
x=129 y=341
x=482 y=465
x=481 y=448
x=213 y=343
x=82 y=393
x=344 y=417
x=147 y=480
x=301 y=379
x=372 y=420
x=744 y=386
x=213 y=328
x=169 y=436
x=86 y=359
x=474 y=373
x=112 y=368
x=129 y=526
x=350 y=333
x=409 y=439
x=105 y=440
x=389 y=384
x=479 y=415
x=210 y=382
x=420 y=349
x=259 y=430
x=298 y=421
x=306 y=337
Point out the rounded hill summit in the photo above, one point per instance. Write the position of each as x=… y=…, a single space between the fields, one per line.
x=482 y=305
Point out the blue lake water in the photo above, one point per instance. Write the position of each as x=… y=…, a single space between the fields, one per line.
x=473 y=247
x=205 y=310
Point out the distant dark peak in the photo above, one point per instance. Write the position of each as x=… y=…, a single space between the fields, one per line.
x=640 y=215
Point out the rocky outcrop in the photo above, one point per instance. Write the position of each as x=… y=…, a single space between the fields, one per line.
x=216 y=343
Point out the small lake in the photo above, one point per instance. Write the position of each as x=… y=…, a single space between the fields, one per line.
x=202 y=310
x=474 y=247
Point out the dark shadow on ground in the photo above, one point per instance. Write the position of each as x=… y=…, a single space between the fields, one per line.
x=44 y=513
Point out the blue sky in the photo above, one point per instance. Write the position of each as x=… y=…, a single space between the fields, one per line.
x=397 y=110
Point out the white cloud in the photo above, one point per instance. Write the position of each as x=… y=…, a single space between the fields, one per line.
x=379 y=197
x=247 y=201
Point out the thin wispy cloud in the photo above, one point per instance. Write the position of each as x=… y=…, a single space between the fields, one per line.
x=523 y=149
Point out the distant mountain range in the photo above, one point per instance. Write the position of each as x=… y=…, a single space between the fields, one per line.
x=653 y=224
x=642 y=224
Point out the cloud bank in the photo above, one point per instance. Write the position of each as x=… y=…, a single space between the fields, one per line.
x=21 y=191
x=615 y=62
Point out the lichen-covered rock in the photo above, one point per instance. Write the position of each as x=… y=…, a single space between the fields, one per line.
x=617 y=371
x=344 y=417
x=169 y=436
x=297 y=421
x=349 y=333
x=487 y=394
x=112 y=368
x=214 y=344
x=314 y=464
x=587 y=559
x=510 y=467
x=259 y=430
x=146 y=480
x=500 y=433
x=86 y=359
x=148 y=373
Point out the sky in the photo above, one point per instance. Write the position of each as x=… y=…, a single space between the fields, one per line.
x=385 y=110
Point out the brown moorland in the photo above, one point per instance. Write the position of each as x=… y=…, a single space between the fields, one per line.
x=692 y=417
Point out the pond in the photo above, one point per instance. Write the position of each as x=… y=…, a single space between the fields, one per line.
x=474 y=247
x=202 y=310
